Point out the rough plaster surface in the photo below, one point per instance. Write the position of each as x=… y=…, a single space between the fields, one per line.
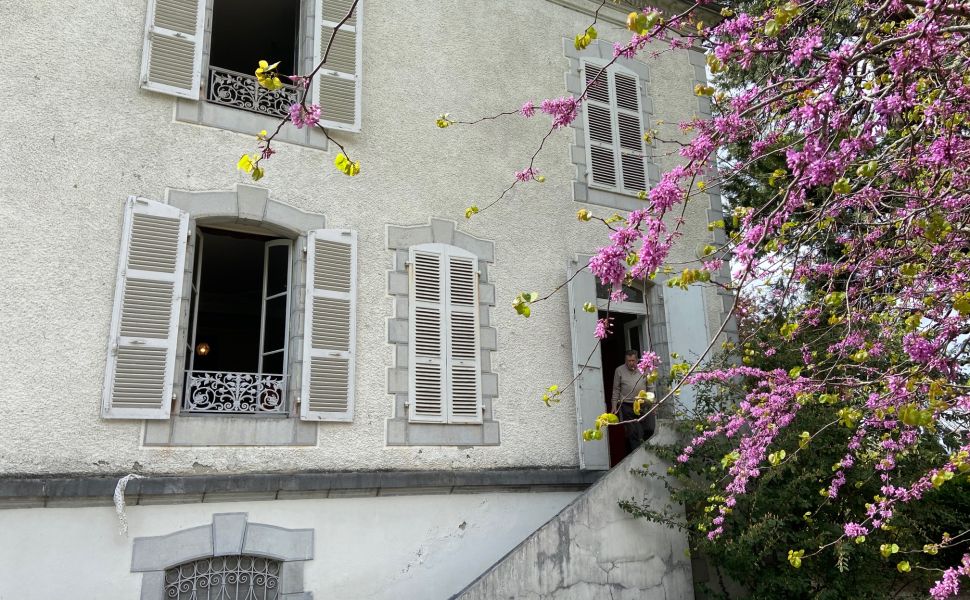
x=392 y=548
x=85 y=138
x=593 y=550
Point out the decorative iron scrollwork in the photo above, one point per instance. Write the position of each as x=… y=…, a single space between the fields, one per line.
x=240 y=90
x=234 y=393
x=224 y=578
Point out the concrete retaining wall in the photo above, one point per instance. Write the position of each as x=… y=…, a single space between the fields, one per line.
x=594 y=550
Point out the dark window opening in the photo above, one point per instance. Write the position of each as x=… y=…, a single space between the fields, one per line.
x=238 y=324
x=247 y=31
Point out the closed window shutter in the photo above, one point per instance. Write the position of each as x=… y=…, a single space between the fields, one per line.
x=599 y=127
x=630 y=132
x=427 y=343
x=338 y=83
x=445 y=375
x=144 y=328
x=464 y=385
x=614 y=133
x=172 y=55
x=329 y=336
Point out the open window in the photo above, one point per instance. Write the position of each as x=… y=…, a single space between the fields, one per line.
x=234 y=337
x=215 y=61
x=242 y=33
x=237 y=343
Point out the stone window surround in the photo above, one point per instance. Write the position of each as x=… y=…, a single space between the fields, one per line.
x=230 y=534
x=246 y=205
x=400 y=431
x=200 y=112
x=582 y=190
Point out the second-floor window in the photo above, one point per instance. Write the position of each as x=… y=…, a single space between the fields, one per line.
x=614 y=134
x=246 y=292
x=187 y=56
x=238 y=333
x=445 y=383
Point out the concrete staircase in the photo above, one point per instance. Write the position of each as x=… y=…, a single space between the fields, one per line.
x=594 y=550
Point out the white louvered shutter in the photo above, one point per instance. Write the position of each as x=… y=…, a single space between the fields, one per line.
x=337 y=86
x=144 y=328
x=599 y=127
x=587 y=365
x=629 y=131
x=427 y=343
x=172 y=56
x=614 y=133
x=464 y=385
x=329 y=336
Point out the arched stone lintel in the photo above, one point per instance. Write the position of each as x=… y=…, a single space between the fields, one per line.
x=245 y=205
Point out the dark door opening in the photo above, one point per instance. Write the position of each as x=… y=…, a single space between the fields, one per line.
x=628 y=332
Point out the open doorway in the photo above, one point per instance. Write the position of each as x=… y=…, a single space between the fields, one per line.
x=628 y=332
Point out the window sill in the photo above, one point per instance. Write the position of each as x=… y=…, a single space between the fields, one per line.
x=606 y=197
x=241 y=121
x=229 y=430
x=401 y=432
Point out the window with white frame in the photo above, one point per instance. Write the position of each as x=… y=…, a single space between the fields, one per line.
x=444 y=379
x=238 y=332
x=238 y=360
x=615 y=153
x=215 y=61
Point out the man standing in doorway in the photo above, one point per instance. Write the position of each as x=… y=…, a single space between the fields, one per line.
x=627 y=384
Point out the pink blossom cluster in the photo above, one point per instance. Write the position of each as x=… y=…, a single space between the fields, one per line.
x=865 y=239
x=562 y=110
x=304 y=116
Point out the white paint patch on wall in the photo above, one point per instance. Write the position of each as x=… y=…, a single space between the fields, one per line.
x=380 y=548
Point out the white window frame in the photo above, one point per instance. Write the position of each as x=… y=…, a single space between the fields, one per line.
x=192 y=341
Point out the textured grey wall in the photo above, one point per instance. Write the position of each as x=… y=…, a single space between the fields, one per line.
x=77 y=140
x=593 y=550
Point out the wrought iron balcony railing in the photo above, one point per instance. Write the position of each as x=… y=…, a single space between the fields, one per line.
x=240 y=90
x=224 y=392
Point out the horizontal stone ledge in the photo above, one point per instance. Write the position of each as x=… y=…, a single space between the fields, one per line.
x=20 y=492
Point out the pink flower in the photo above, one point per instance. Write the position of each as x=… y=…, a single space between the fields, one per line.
x=803 y=46
x=602 y=329
x=562 y=110
x=526 y=174
x=648 y=362
x=949 y=585
x=528 y=109
x=304 y=117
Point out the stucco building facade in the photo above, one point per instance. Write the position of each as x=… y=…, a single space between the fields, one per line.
x=320 y=378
